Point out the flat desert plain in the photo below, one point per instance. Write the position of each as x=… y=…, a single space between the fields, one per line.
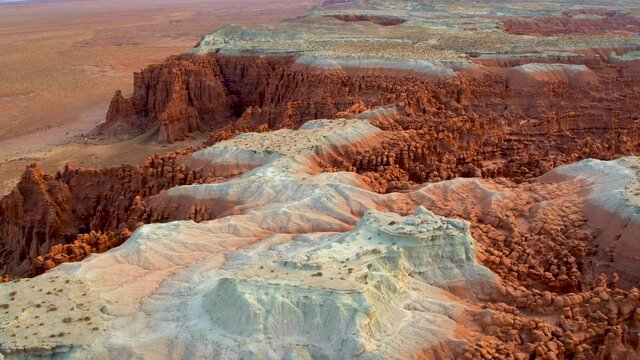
x=60 y=63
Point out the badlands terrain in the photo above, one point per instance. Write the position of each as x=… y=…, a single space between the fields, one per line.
x=372 y=179
x=61 y=60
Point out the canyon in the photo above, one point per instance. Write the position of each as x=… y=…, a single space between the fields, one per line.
x=378 y=179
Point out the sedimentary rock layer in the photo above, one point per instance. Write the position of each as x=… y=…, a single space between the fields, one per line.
x=283 y=233
x=518 y=121
x=577 y=21
x=192 y=93
x=317 y=242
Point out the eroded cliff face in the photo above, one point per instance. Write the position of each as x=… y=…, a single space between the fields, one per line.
x=35 y=216
x=514 y=117
x=192 y=93
x=504 y=119
x=45 y=214
x=394 y=279
x=208 y=92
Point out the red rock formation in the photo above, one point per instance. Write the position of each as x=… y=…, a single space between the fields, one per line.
x=177 y=99
x=210 y=92
x=83 y=246
x=378 y=20
x=471 y=146
x=599 y=22
x=474 y=125
x=44 y=210
x=121 y=117
x=537 y=242
x=35 y=216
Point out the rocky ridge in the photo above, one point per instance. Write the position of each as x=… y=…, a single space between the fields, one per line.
x=462 y=101
x=292 y=226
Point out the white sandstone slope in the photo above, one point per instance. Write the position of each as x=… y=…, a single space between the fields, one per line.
x=378 y=291
x=537 y=75
x=613 y=185
x=613 y=208
x=300 y=263
x=293 y=273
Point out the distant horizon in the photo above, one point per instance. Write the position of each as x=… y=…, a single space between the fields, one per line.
x=7 y=2
x=25 y=2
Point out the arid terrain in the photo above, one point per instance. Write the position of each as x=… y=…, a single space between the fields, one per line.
x=372 y=179
x=60 y=62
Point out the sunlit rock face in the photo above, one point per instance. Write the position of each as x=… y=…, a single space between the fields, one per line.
x=378 y=291
x=310 y=238
x=299 y=264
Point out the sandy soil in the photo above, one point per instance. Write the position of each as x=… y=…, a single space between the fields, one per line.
x=60 y=63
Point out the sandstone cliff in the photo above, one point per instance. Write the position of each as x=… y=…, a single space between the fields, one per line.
x=476 y=125
x=285 y=234
x=35 y=216
x=192 y=93
x=44 y=211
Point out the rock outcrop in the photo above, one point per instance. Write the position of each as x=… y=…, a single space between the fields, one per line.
x=176 y=100
x=47 y=212
x=479 y=126
x=274 y=233
x=363 y=290
x=488 y=122
x=285 y=236
x=121 y=118
x=576 y=21
x=35 y=216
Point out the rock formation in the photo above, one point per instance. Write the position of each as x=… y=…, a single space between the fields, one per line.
x=361 y=289
x=121 y=118
x=275 y=231
x=448 y=204
x=44 y=210
x=581 y=21
x=190 y=93
x=35 y=216
x=512 y=118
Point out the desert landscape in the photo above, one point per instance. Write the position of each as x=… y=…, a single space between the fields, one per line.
x=60 y=62
x=347 y=179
